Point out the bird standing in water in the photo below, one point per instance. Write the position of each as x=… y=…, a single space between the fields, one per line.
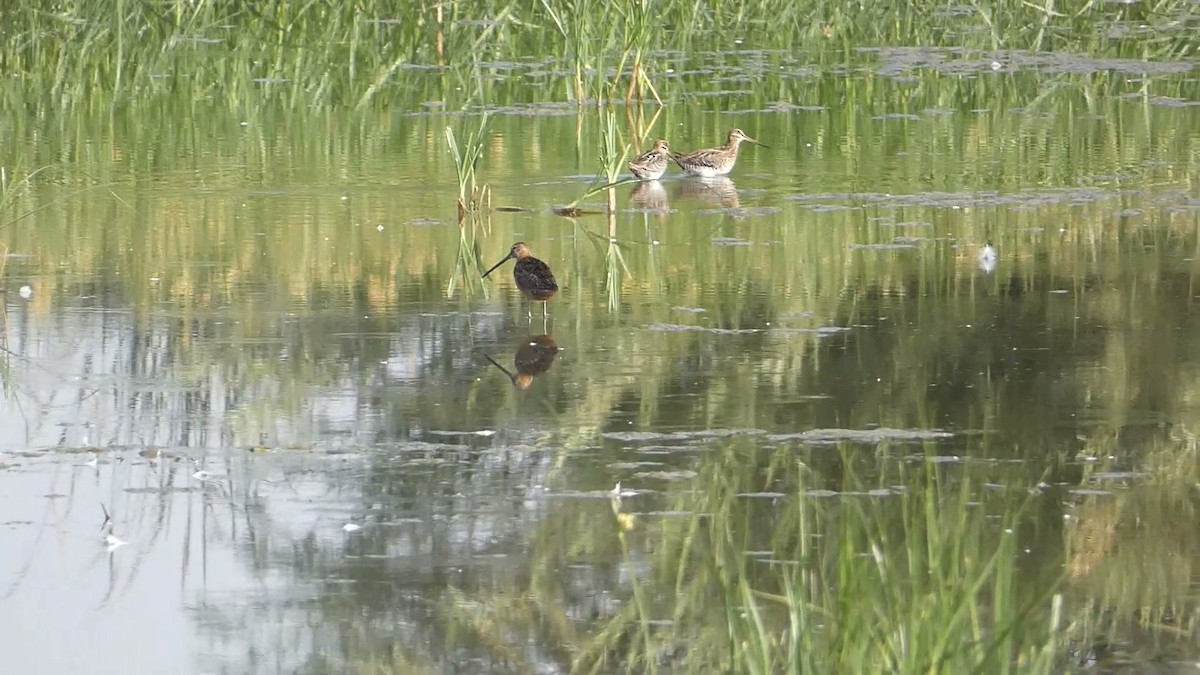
x=533 y=277
x=711 y=162
x=652 y=165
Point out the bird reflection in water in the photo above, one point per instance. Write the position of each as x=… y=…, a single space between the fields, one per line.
x=534 y=356
x=651 y=196
x=715 y=190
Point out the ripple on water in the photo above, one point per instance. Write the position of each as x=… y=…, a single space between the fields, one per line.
x=864 y=436
x=1118 y=475
x=683 y=436
x=880 y=247
x=678 y=474
x=822 y=331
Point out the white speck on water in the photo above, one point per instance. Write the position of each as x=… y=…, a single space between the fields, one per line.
x=351 y=527
x=379 y=228
x=26 y=291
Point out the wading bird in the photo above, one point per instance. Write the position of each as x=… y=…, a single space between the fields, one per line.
x=533 y=277
x=711 y=162
x=652 y=164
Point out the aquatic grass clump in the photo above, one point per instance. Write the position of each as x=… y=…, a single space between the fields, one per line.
x=466 y=162
x=638 y=38
x=473 y=199
x=614 y=153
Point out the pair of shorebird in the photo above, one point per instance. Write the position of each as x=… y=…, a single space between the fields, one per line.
x=705 y=163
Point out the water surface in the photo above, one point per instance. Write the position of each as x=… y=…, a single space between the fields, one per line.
x=239 y=337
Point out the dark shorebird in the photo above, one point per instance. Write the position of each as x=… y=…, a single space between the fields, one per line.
x=534 y=357
x=653 y=164
x=711 y=162
x=533 y=276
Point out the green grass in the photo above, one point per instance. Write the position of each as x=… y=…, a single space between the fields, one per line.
x=466 y=161
x=306 y=54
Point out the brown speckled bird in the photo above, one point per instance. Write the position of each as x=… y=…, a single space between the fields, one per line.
x=653 y=164
x=533 y=277
x=711 y=162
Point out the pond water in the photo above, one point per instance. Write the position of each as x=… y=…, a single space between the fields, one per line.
x=324 y=448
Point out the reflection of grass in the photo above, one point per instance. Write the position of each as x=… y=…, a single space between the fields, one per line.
x=466 y=262
x=920 y=581
x=922 y=576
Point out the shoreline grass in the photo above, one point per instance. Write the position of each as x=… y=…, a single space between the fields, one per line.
x=356 y=55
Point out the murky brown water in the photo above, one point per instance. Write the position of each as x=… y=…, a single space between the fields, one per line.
x=318 y=459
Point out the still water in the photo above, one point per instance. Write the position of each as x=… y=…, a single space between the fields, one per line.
x=325 y=450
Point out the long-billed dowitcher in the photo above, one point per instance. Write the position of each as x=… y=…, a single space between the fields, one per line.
x=652 y=165
x=533 y=276
x=711 y=162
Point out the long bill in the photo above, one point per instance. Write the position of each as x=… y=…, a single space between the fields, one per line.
x=504 y=260
x=757 y=143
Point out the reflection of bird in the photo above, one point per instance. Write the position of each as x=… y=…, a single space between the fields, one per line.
x=987 y=258
x=714 y=190
x=651 y=196
x=652 y=164
x=533 y=276
x=107 y=528
x=714 y=161
x=534 y=357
